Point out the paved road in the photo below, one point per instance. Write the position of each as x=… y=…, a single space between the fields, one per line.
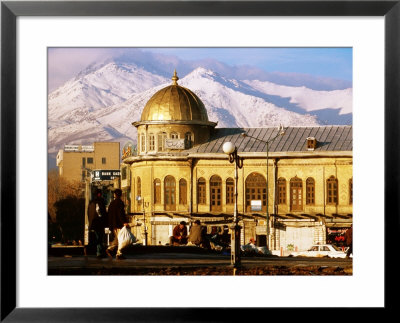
x=161 y=261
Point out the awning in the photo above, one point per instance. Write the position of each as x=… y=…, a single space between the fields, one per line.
x=338 y=225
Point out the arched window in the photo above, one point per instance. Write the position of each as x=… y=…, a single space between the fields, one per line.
x=215 y=193
x=188 y=140
x=142 y=142
x=157 y=191
x=351 y=191
x=230 y=191
x=169 y=193
x=332 y=190
x=256 y=189
x=281 y=190
x=174 y=135
x=182 y=191
x=201 y=191
x=161 y=140
x=152 y=143
x=310 y=191
x=296 y=194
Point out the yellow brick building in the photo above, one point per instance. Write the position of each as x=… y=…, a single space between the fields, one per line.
x=181 y=173
x=75 y=162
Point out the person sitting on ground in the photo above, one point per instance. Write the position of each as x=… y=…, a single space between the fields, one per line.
x=252 y=242
x=225 y=238
x=250 y=247
x=214 y=236
x=196 y=236
x=179 y=235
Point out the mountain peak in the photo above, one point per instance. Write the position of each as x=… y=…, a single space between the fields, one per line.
x=201 y=72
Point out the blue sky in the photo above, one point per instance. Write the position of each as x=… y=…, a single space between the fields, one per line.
x=326 y=62
x=335 y=63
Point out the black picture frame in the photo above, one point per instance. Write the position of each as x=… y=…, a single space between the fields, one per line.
x=11 y=10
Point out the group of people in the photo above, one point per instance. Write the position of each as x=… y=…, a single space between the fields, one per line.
x=180 y=234
x=100 y=218
x=198 y=236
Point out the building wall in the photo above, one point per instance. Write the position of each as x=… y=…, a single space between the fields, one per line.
x=320 y=169
x=297 y=238
x=108 y=150
x=71 y=164
x=316 y=167
x=148 y=171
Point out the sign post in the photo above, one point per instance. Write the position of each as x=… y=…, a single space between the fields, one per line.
x=87 y=198
x=105 y=175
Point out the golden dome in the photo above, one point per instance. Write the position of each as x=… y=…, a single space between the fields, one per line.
x=175 y=103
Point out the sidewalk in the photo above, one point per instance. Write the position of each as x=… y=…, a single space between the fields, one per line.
x=189 y=260
x=61 y=251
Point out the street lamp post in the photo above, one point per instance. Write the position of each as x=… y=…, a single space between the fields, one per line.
x=144 y=205
x=281 y=132
x=230 y=149
x=88 y=185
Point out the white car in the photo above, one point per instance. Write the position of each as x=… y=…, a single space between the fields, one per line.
x=321 y=250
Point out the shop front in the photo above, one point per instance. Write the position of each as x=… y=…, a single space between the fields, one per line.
x=336 y=235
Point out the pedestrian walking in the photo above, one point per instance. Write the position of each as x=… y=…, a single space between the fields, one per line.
x=116 y=220
x=97 y=216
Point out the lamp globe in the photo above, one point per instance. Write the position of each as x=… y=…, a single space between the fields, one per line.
x=228 y=148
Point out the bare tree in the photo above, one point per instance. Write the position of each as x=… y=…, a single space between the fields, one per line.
x=59 y=188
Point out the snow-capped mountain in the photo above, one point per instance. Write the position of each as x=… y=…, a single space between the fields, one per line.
x=233 y=104
x=312 y=101
x=308 y=99
x=95 y=88
x=101 y=103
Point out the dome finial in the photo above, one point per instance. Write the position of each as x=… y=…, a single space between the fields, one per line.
x=175 y=78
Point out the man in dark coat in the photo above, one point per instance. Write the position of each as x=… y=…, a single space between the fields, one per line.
x=116 y=220
x=97 y=216
x=179 y=234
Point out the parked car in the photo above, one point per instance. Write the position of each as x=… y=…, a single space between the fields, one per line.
x=321 y=250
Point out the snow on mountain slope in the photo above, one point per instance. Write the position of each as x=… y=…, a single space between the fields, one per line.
x=309 y=100
x=84 y=132
x=232 y=108
x=113 y=123
x=95 y=89
x=121 y=116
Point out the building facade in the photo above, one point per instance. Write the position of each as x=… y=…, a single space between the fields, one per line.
x=181 y=173
x=75 y=162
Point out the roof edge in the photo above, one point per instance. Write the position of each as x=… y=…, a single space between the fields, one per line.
x=163 y=122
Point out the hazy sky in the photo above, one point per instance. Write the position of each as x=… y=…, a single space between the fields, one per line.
x=328 y=62
x=336 y=63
